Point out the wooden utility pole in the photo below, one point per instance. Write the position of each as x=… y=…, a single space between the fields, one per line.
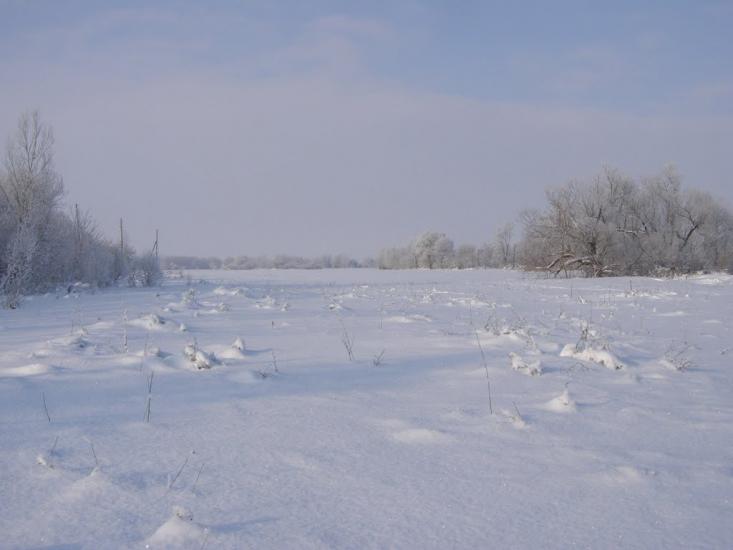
x=122 y=241
x=155 y=245
x=77 y=221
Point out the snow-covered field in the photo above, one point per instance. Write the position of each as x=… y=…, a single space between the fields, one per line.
x=612 y=423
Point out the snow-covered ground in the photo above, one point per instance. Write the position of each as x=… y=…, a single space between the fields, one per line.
x=612 y=423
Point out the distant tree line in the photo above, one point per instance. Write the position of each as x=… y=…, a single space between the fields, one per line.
x=42 y=243
x=433 y=250
x=281 y=261
x=611 y=225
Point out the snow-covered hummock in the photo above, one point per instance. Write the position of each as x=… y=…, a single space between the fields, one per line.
x=232 y=353
x=592 y=354
x=238 y=345
x=199 y=358
x=179 y=531
x=562 y=403
x=531 y=368
x=296 y=446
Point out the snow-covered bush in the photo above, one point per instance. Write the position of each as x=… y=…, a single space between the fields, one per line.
x=145 y=271
x=199 y=358
x=531 y=368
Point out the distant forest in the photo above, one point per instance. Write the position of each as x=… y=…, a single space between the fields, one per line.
x=281 y=261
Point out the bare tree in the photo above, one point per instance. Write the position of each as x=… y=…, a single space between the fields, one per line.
x=466 y=256
x=614 y=226
x=30 y=189
x=504 y=241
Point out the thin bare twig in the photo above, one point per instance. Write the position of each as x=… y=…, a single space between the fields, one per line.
x=45 y=406
x=274 y=362
x=486 y=368
x=347 y=341
x=195 y=481
x=150 y=396
x=53 y=447
x=178 y=474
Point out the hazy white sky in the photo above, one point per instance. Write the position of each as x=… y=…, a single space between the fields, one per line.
x=265 y=127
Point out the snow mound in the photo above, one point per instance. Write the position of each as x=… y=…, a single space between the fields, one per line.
x=238 y=345
x=420 y=435
x=179 y=531
x=677 y=313
x=268 y=302
x=94 y=485
x=101 y=325
x=515 y=418
x=627 y=474
x=220 y=307
x=200 y=359
x=45 y=461
x=223 y=291
x=235 y=351
x=563 y=403
x=152 y=351
x=420 y=317
x=76 y=341
x=245 y=377
x=600 y=356
x=154 y=322
x=415 y=318
x=26 y=370
x=532 y=368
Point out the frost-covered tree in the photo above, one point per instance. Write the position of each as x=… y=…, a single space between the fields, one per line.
x=433 y=250
x=614 y=226
x=444 y=252
x=504 y=244
x=18 y=274
x=41 y=245
x=466 y=257
x=31 y=189
x=397 y=258
x=430 y=250
x=485 y=255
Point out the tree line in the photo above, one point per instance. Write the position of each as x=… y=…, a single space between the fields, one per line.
x=44 y=244
x=434 y=250
x=280 y=261
x=610 y=225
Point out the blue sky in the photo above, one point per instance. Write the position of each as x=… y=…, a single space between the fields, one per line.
x=438 y=115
